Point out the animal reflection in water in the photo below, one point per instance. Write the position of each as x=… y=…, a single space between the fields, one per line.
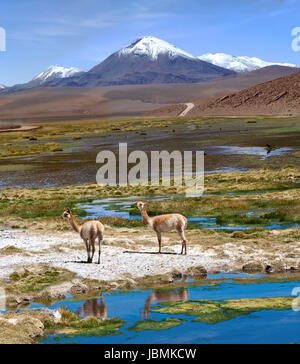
x=159 y=297
x=94 y=308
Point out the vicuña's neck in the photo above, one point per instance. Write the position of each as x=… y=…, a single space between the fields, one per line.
x=73 y=223
x=146 y=217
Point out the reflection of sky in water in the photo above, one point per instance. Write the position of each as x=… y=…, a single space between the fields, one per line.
x=114 y=207
x=259 y=151
x=260 y=327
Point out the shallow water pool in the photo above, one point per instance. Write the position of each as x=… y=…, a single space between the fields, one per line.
x=259 y=325
x=117 y=207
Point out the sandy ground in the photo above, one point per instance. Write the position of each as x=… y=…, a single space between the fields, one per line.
x=123 y=257
x=116 y=261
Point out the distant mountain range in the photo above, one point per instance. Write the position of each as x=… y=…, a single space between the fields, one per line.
x=56 y=72
x=148 y=60
x=239 y=64
x=52 y=73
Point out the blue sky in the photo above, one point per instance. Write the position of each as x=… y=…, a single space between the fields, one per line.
x=81 y=33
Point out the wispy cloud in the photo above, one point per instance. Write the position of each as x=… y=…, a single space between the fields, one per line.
x=39 y=28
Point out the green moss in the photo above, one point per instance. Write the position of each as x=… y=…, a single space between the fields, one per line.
x=72 y=326
x=165 y=324
x=212 y=312
x=16 y=167
x=257 y=304
x=119 y=222
x=123 y=291
x=12 y=250
x=189 y=308
x=36 y=280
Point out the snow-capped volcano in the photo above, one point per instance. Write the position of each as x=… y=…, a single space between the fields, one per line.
x=239 y=64
x=153 y=47
x=147 y=60
x=54 y=72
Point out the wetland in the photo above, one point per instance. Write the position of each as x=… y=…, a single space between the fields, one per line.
x=235 y=284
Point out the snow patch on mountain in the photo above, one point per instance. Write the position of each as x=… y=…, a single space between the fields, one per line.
x=239 y=64
x=54 y=72
x=153 y=47
x=2 y=87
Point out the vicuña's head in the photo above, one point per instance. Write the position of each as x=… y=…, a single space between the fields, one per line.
x=141 y=205
x=66 y=214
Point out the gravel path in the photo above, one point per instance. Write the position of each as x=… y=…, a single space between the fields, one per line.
x=189 y=107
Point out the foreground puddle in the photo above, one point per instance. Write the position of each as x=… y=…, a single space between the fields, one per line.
x=118 y=207
x=224 y=308
x=263 y=153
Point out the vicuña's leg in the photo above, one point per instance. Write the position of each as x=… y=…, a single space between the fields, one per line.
x=184 y=249
x=100 y=240
x=89 y=251
x=93 y=249
x=159 y=242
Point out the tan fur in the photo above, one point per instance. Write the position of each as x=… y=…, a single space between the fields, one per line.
x=89 y=232
x=93 y=308
x=160 y=297
x=164 y=224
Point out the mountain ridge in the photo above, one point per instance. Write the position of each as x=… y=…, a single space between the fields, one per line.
x=150 y=60
x=240 y=64
x=147 y=60
x=276 y=97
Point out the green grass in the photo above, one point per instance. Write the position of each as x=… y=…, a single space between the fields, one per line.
x=71 y=326
x=255 y=190
x=35 y=281
x=165 y=324
x=212 y=312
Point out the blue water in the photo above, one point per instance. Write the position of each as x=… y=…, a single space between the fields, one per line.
x=263 y=153
x=259 y=327
x=116 y=207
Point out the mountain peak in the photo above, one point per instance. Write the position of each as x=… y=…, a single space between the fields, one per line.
x=56 y=71
x=153 y=47
x=239 y=64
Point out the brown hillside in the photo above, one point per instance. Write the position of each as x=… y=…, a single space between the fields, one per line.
x=277 y=97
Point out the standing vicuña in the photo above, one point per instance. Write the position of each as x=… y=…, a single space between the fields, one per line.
x=164 y=224
x=89 y=232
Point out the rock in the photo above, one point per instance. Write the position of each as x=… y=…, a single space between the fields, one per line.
x=15 y=301
x=275 y=267
x=78 y=289
x=49 y=296
x=176 y=275
x=112 y=285
x=198 y=271
x=20 y=329
x=275 y=232
x=130 y=283
x=254 y=267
